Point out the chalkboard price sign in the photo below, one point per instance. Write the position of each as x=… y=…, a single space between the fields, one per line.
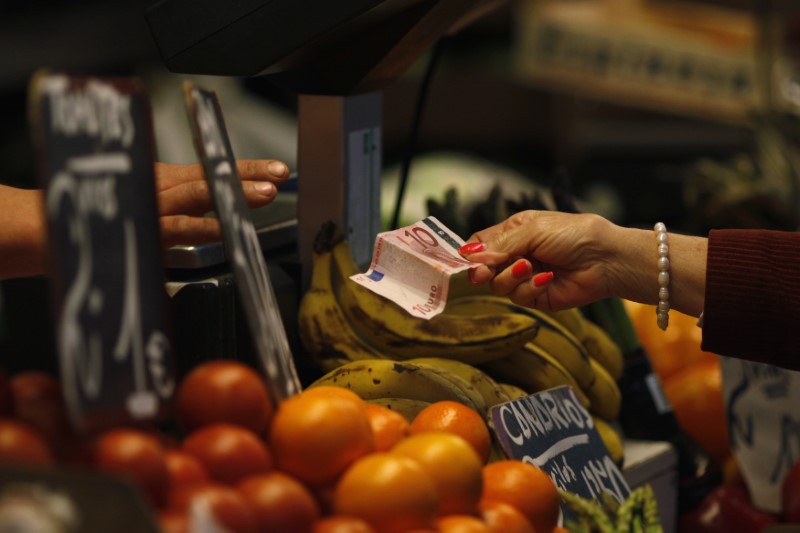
x=94 y=144
x=241 y=242
x=552 y=430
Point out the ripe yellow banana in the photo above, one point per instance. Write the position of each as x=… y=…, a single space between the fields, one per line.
x=533 y=369
x=407 y=407
x=383 y=378
x=491 y=392
x=604 y=395
x=552 y=336
x=391 y=330
x=603 y=349
x=572 y=319
x=325 y=334
x=612 y=439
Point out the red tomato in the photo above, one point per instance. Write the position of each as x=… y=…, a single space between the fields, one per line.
x=38 y=400
x=281 y=503
x=136 y=455
x=214 y=502
x=228 y=452
x=184 y=469
x=22 y=444
x=790 y=495
x=224 y=391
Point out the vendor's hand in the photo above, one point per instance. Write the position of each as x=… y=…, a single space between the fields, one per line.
x=544 y=259
x=184 y=199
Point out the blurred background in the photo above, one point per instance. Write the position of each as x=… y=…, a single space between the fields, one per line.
x=641 y=110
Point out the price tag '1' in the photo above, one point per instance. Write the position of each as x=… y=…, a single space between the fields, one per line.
x=241 y=242
x=94 y=144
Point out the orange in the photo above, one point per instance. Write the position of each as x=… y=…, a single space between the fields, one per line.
x=315 y=437
x=671 y=350
x=695 y=394
x=505 y=518
x=342 y=524
x=458 y=418
x=392 y=492
x=389 y=427
x=524 y=486
x=459 y=523
x=453 y=465
x=331 y=390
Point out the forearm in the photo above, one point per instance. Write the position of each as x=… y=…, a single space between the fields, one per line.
x=634 y=269
x=22 y=233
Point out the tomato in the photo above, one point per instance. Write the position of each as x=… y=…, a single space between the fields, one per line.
x=228 y=452
x=224 y=391
x=137 y=456
x=214 y=507
x=184 y=469
x=280 y=502
x=790 y=495
x=22 y=444
x=38 y=400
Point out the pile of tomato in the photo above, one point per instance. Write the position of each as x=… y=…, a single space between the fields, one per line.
x=319 y=462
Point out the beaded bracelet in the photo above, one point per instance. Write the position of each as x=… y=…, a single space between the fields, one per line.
x=662 y=311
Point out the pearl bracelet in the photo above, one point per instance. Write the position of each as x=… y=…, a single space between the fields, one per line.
x=662 y=311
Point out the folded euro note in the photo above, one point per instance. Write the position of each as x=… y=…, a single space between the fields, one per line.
x=411 y=266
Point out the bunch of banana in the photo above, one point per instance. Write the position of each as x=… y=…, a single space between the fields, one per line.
x=568 y=350
x=341 y=321
x=391 y=330
x=325 y=333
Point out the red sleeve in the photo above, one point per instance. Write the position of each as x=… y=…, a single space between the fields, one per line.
x=752 y=299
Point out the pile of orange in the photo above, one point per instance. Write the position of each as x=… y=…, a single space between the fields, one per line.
x=389 y=474
x=322 y=461
x=691 y=378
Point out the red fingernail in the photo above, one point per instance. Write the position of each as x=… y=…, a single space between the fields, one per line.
x=542 y=279
x=520 y=269
x=472 y=248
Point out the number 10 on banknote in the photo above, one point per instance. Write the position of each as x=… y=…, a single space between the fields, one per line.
x=411 y=266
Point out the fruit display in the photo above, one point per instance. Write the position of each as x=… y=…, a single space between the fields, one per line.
x=475 y=352
x=323 y=460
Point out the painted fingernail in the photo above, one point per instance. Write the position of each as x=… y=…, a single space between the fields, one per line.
x=539 y=280
x=470 y=273
x=472 y=248
x=521 y=269
x=276 y=168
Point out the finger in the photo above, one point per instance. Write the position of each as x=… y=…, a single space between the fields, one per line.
x=193 y=198
x=189 y=231
x=534 y=292
x=480 y=275
x=169 y=175
x=263 y=169
x=505 y=282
